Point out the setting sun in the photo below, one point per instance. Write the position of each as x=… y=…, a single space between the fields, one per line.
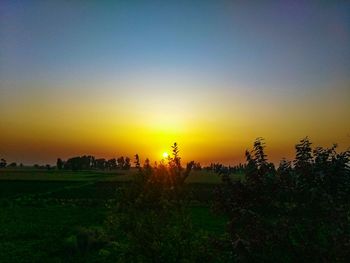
x=165 y=155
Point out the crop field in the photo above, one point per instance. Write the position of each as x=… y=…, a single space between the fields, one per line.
x=42 y=211
x=30 y=174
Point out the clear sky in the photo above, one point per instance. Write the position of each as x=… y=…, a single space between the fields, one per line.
x=112 y=78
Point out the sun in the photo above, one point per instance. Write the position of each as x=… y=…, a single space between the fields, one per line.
x=165 y=155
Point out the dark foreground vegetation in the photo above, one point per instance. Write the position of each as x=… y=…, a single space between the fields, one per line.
x=299 y=212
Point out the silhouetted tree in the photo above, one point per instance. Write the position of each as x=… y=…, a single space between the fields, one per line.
x=303 y=159
x=127 y=163
x=59 y=164
x=175 y=160
x=197 y=166
x=80 y=163
x=137 y=161
x=121 y=162
x=3 y=163
x=13 y=164
x=274 y=218
x=152 y=221
x=112 y=163
x=284 y=173
x=100 y=163
x=147 y=164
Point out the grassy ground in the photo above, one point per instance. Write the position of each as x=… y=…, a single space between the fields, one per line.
x=37 y=234
x=40 y=209
x=27 y=174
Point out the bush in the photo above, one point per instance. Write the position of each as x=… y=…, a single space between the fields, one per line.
x=151 y=222
x=292 y=212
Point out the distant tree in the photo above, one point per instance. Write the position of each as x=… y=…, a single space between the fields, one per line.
x=112 y=163
x=121 y=162
x=59 y=164
x=3 y=163
x=137 y=161
x=197 y=166
x=86 y=162
x=147 y=164
x=48 y=167
x=127 y=163
x=13 y=164
x=80 y=163
x=73 y=164
x=101 y=163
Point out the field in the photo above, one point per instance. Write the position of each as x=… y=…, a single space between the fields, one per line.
x=40 y=210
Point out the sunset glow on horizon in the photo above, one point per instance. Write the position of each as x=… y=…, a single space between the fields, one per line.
x=125 y=78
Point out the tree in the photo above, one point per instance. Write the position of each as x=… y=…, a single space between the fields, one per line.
x=127 y=163
x=112 y=163
x=302 y=211
x=197 y=166
x=175 y=160
x=121 y=162
x=284 y=173
x=3 y=163
x=303 y=158
x=137 y=161
x=13 y=164
x=151 y=222
x=147 y=164
x=59 y=164
x=100 y=163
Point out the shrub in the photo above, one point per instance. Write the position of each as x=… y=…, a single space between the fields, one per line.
x=292 y=212
x=151 y=222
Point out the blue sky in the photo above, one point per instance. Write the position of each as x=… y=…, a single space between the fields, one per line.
x=263 y=55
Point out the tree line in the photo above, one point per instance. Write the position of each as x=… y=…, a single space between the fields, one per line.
x=3 y=164
x=88 y=162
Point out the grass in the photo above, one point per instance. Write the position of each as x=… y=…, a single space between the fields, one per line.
x=58 y=175
x=28 y=174
x=40 y=209
x=37 y=234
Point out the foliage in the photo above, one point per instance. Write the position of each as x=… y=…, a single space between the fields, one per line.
x=90 y=162
x=3 y=163
x=151 y=222
x=292 y=212
x=59 y=164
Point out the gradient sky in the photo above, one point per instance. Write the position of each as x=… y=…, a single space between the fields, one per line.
x=124 y=77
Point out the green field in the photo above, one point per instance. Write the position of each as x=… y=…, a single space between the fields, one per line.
x=40 y=210
x=29 y=174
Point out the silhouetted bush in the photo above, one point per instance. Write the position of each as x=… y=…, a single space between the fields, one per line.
x=3 y=163
x=151 y=221
x=292 y=213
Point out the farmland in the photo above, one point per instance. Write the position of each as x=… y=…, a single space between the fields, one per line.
x=42 y=211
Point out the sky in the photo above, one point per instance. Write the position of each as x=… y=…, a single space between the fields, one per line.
x=112 y=78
